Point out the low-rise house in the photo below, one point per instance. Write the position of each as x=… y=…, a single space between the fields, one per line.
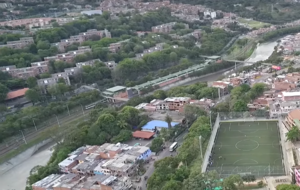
x=292 y=119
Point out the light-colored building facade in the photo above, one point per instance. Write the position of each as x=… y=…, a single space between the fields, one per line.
x=20 y=44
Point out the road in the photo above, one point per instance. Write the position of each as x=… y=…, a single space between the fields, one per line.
x=165 y=153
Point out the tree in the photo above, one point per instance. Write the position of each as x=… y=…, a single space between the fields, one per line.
x=199 y=181
x=3 y=109
x=173 y=57
x=240 y=106
x=3 y=92
x=160 y=94
x=31 y=82
x=122 y=124
x=232 y=182
x=169 y=119
x=58 y=89
x=156 y=145
x=123 y=136
x=172 y=185
x=32 y=95
x=293 y=134
x=192 y=112
x=287 y=187
x=249 y=178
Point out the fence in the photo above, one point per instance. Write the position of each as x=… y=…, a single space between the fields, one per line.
x=210 y=144
x=246 y=116
x=31 y=133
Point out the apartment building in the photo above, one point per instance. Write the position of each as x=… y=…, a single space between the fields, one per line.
x=28 y=23
x=20 y=44
x=73 y=71
x=115 y=47
x=166 y=28
x=40 y=67
x=80 y=38
x=157 y=47
x=45 y=83
x=223 y=86
x=69 y=56
x=36 y=22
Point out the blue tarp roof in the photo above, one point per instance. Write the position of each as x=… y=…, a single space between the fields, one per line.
x=157 y=123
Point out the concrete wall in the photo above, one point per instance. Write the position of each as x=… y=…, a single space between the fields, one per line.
x=22 y=157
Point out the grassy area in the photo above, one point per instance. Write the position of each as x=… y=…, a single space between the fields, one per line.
x=241 y=52
x=247 y=147
x=46 y=134
x=253 y=23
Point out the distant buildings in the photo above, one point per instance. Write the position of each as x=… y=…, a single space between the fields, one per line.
x=166 y=28
x=47 y=82
x=36 y=22
x=80 y=38
x=20 y=44
x=174 y=104
x=292 y=119
x=119 y=93
x=69 y=56
x=115 y=47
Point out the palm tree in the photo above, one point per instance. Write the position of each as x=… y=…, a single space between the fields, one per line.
x=122 y=124
x=169 y=120
x=293 y=134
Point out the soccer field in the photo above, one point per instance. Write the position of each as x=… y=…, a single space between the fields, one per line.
x=247 y=148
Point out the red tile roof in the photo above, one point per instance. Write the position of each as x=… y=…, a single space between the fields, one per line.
x=142 y=134
x=295 y=114
x=16 y=94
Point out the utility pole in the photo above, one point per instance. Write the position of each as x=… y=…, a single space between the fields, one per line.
x=210 y=120
x=57 y=121
x=34 y=124
x=24 y=139
x=68 y=109
x=200 y=144
x=82 y=110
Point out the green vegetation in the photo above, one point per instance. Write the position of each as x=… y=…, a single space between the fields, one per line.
x=253 y=23
x=241 y=49
x=23 y=119
x=287 y=187
x=239 y=98
x=279 y=33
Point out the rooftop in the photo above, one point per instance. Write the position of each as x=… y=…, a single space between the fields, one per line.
x=295 y=114
x=143 y=134
x=157 y=123
x=291 y=93
x=116 y=89
x=16 y=94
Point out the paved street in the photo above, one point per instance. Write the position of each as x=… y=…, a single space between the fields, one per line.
x=165 y=153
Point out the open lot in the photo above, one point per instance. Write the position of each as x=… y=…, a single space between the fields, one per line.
x=247 y=148
x=252 y=23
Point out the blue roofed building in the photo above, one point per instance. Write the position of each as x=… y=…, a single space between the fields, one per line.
x=150 y=126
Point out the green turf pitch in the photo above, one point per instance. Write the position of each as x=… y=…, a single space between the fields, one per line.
x=247 y=148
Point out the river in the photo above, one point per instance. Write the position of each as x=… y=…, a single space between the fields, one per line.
x=15 y=179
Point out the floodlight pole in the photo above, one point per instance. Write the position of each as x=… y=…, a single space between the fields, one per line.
x=200 y=143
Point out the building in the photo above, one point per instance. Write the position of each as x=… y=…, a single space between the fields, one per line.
x=91 y=12
x=77 y=182
x=291 y=96
x=297 y=176
x=87 y=63
x=143 y=134
x=73 y=71
x=292 y=119
x=223 y=86
x=20 y=44
x=67 y=164
x=80 y=38
x=69 y=56
x=119 y=93
x=47 y=82
x=28 y=23
x=166 y=28
x=115 y=47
